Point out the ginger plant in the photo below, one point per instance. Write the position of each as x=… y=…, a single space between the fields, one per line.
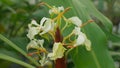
x=52 y=28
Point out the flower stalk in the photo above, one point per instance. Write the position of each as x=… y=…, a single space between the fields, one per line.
x=60 y=62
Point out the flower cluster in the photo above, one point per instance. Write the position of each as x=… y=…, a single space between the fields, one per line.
x=48 y=26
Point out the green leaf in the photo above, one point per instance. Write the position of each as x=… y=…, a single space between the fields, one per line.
x=99 y=56
x=21 y=42
x=8 y=58
x=111 y=36
x=94 y=12
x=10 y=53
x=18 y=49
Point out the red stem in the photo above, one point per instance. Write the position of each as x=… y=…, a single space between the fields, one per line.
x=61 y=62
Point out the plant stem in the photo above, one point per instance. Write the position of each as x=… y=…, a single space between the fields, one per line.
x=61 y=62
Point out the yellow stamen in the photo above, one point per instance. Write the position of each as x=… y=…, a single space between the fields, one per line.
x=84 y=24
x=43 y=3
x=70 y=46
x=61 y=14
x=42 y=50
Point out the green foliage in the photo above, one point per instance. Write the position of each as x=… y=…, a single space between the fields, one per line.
x=5 y=57
x=99 y=56
x=16 y=14
x=17 y=48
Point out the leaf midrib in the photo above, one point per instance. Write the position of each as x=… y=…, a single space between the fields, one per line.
x=95 y=59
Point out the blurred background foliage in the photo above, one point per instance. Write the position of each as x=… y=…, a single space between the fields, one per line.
x=16 y=14
x=111 y=9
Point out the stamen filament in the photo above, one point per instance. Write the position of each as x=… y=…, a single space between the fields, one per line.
x=43 y=3
x=84 y=24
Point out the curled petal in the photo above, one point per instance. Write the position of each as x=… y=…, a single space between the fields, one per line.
x=43 y=21
x=76 y=21
x=34 y=23
x=80 y=40
x=35 y=44
x=32 y=32
x=33 y=29
x=32 y=44
x=47 y=26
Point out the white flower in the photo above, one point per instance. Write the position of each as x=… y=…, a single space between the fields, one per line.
x=32 y=44
x=56 y=10
x=81 y=39
x=76 y=21
x=43 y=60
x=33 y=29
x=35 y=44
x=45 y=26
x=58 y=51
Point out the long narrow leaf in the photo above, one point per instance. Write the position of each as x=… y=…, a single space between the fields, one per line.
x=8 y=58
x=94 y=12
x=17 y=49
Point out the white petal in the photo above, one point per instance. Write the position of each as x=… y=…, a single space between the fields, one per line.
x=34 y=23
x=88 y=44
x=41 y=42
x=43 y=21
x=32 y=44
x=43 y=60
x=32 y=32
x=77 y=30
x=56 y=10
x=50 y=11
x=75 y=20
x=47 y=27
x=61 y=8
x=33 y=29
x=51 y=55
x=80 y=40
x=58 y=51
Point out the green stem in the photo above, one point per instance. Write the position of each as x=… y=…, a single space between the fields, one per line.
x=8 y=58
x=18 y=49
x=66 y=24
x=66 y=54
x=68 y=36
